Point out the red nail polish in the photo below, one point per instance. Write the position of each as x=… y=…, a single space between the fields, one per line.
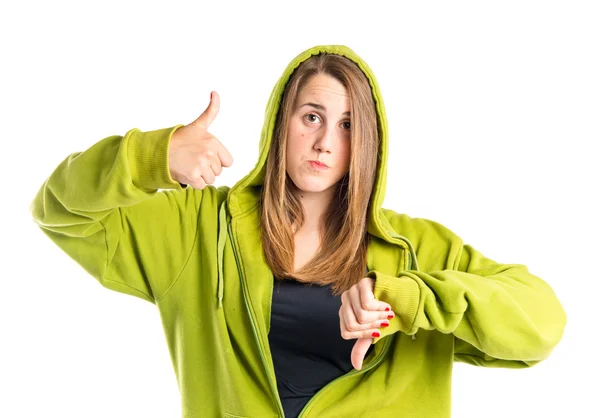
x=385 y=324
x=390 y=316
x=375 y=334
x=387 y=309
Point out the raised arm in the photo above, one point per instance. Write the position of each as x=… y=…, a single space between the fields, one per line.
x=103 y=206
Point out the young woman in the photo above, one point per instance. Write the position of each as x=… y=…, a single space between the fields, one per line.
x=294 y=293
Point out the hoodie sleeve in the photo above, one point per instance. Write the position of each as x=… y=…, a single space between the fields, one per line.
x=103 y=208
x=501 y=315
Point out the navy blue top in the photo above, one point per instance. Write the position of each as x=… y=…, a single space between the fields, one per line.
x=305 y=340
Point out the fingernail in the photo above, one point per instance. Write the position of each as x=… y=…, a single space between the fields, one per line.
x=390 y=316
x=375 y=334
x=387 y=309
x=385 y=324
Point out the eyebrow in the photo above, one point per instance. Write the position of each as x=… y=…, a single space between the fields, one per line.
x=321 y=107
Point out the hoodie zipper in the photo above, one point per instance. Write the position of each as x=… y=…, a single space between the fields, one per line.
x=353 y=372
x=254 y=327
x=275 y=393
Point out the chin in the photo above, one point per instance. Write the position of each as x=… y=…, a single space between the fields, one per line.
x=313 y=186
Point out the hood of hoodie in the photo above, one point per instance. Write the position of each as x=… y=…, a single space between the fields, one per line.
x=242 y=199
x=244 y=194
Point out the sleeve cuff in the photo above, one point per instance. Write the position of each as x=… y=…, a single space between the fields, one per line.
x=402 y=293
x=148 y=156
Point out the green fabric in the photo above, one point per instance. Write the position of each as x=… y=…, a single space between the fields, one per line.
x=197 y=256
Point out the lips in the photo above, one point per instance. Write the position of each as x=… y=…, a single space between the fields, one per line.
x=318 y=163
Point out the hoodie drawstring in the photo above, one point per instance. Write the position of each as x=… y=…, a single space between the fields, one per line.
x=412 y=262
x=221 y=249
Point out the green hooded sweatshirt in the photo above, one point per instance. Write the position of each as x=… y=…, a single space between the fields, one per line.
x=197 y=255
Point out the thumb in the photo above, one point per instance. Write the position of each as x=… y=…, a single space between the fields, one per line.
x=359 y=351
x=209 y=115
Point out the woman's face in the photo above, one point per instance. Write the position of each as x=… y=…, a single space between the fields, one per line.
x=319 y=130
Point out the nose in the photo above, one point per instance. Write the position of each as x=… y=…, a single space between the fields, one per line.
x=325 y=139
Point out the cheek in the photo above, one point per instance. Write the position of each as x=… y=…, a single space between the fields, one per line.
x=295 y=144
x=292 y=151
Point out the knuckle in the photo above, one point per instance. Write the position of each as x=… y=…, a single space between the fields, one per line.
x=208 y=175
x=196 y=174
x=364 y=304
x=200 y=160
x=353 y=325
x=361 y=317
x=344 y=297
x=197 y=182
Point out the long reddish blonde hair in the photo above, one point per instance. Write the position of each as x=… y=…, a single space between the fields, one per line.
x=342 y=256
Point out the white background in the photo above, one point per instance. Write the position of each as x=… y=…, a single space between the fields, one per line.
x=493 y=119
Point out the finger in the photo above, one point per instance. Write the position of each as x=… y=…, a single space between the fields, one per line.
x=208 y=176
x=348 y=334
x=225 y=156
x=371 y=326
x=198 y=184
x=215 y=166
x=367 y=297
x=350 y=329
x=352 y=325
x=352 y=335
x=209 y=115
x=357 y=318
x=347 y=320
x=210 y=160
x=363 y=316
x=359 y=351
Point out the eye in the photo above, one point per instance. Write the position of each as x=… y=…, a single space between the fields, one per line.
x=309 y=115
x=347 y=125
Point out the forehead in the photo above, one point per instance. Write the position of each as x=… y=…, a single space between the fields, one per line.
x=324 y=85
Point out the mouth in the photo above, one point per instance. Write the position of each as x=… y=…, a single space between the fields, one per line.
x=316 y=165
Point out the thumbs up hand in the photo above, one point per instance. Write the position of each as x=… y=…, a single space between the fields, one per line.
x=196 y=157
